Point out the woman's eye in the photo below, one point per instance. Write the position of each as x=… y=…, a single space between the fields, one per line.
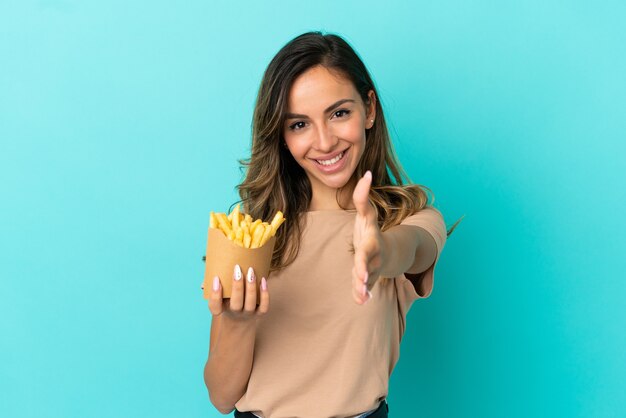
x=299 y=125
x=296 y=126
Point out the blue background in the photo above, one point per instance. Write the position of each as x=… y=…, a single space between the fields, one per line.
x=120 y=126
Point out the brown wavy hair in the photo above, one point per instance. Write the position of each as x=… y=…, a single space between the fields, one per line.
x=274 y=180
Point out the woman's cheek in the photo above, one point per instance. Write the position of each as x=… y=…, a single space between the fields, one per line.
x=298 y=147
x=352 y=132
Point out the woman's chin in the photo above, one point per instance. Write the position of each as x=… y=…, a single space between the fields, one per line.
x=332 y=180
x=335 y=182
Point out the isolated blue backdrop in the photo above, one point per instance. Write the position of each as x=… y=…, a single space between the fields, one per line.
x=120 y=126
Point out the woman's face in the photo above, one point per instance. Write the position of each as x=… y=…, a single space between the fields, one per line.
x=325 y=128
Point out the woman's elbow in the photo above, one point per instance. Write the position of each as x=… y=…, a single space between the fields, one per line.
x=223 y=407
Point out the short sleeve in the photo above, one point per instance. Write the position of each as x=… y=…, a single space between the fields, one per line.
x=433 y=222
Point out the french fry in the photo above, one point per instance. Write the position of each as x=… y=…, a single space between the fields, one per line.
x=247 y=238
x=224 y=224
x=223 y=219
x=257 y=236
x=277 y=221
x=254 y=225
x=243 y=230
x=235 y=220
x=267 y=233
x=239 y=237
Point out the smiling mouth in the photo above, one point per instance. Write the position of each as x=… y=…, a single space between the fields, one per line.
x=332 y=161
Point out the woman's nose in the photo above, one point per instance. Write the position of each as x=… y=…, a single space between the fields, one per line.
x=326 y=139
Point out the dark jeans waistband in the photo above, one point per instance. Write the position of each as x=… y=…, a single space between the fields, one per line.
x=381 y=412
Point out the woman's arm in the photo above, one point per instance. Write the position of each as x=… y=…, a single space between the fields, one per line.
x=400 y=249
x=407 y=249
x=227 y=371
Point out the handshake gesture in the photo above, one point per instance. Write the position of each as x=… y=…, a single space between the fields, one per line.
x=367 y=241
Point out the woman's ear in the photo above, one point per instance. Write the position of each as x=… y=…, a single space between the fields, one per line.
x=371 y=109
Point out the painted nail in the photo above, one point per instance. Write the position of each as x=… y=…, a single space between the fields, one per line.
x=263 y=283
x=251 y=276
x=238 y=273
x=216 y=283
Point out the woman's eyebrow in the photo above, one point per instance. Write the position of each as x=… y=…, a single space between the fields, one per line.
x=328 y=109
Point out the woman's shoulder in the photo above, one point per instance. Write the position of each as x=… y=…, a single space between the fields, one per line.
x=427 y=212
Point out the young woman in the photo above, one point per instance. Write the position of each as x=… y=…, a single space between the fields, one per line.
x=357 y=248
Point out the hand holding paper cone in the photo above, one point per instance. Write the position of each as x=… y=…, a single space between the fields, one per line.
x=238 y=239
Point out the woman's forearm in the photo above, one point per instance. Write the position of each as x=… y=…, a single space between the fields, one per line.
x=407 y=249
x=228 y=367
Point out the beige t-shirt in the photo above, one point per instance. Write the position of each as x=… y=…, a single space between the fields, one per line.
x=317 y=352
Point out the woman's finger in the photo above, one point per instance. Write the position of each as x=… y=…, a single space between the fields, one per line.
x=357 y=288
x=364 y=255
x=215 y=298
x=361 y=194
x=265 y=298
x=360 y=263
x=361 y=273
x=250 y=302
x=236 y=296
x=355 y=282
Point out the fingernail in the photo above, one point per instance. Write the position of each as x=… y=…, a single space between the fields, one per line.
x=263 y=283
x=251 y=277
x=370 y=296
x=364 y=289
x=368 y=174
x=216 y=283
x=238 y=273
x=366 y=277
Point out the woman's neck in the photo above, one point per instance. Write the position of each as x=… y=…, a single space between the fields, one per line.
x=325 y=198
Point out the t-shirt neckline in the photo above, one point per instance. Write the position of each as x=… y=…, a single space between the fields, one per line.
x=331 y=211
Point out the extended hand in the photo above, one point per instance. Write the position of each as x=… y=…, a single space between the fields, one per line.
x=367 y=241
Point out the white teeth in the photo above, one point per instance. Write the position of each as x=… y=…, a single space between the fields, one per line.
x=331 y=161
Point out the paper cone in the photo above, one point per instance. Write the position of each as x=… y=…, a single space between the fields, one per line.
x=221 y=256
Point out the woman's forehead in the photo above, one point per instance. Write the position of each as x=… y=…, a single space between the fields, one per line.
x=318 y=88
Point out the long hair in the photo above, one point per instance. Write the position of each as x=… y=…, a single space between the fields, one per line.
x=274 y=180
